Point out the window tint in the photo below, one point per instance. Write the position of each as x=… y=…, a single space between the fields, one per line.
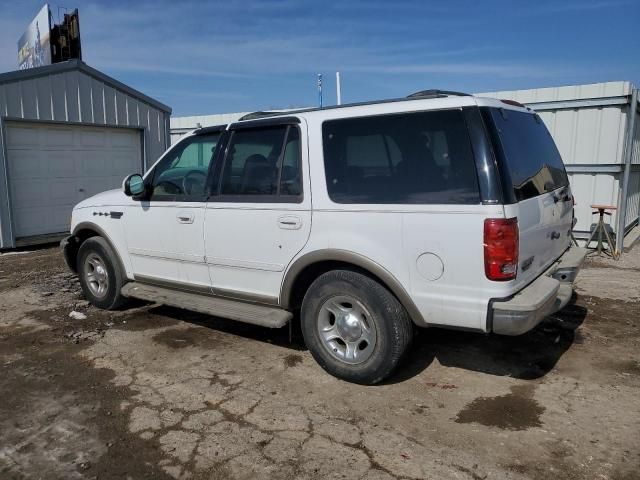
x=531 y=161
x=263 y=162
x=413 y=158
x=183 y=172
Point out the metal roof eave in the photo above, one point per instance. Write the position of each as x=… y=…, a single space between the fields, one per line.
x=71 y=65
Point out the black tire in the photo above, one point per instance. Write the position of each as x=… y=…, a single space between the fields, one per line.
x=111 y=298
x=394 y=328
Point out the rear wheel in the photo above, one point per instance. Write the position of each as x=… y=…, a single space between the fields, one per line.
x=100 y=275
x=354 y=327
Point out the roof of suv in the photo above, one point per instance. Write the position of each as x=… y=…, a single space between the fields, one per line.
x=419 y=101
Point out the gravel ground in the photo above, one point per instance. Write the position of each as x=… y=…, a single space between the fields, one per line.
x=156 y=392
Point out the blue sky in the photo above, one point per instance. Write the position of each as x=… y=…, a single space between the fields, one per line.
x=216 y=57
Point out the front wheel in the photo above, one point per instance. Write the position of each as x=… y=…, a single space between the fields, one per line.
x=100 y=275
x=354 y=327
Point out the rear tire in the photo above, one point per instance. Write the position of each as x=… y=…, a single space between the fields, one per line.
x=354 y=327
x=100 y=274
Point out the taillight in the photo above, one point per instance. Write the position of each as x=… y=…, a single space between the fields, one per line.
x=501 y=248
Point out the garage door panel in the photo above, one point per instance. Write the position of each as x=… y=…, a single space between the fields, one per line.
x=101 y=184
x=63 y=191
x=96 y=163
x=59 y=163
x=122 y=166
x=58 y=137
x=29 y=193
x=119 y=139
x=29 y=221
x=23 y=137
x=93 y=138
x=26 y=220
x=52 y=168
x=26 y=164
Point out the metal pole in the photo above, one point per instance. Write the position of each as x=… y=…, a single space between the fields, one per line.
x=338 y=92
x=320 y=90
x=628 y=153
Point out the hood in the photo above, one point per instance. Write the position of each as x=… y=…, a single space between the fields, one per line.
x=103 y=199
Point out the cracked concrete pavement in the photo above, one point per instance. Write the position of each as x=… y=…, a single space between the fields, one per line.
x=157 y=392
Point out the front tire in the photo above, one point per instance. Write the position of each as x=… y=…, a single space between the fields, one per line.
x=354 y=327
x=100 y=274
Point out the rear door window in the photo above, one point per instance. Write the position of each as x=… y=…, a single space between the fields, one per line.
x=412 y=158
x=530 y=161
x=262 y=165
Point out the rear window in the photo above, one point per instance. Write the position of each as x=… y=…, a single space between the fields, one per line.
x=412 y=158
x=531 y=162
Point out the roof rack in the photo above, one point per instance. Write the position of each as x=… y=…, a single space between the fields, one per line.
x=424 y=94
x=272 y=113
x=435 y=93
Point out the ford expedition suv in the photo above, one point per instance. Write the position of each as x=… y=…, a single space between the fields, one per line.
x=364 y=221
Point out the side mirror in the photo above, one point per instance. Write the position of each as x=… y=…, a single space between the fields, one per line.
x=133 y=185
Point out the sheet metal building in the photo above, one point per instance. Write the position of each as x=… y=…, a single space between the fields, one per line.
x=68 y=131
x=597 y=130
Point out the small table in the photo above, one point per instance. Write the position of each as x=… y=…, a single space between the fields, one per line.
x=601 y=230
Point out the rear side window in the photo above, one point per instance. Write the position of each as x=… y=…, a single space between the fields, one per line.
x=412 y=158
x=530 y=160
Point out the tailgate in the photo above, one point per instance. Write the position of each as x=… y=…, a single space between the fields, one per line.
x=544 y=224
x=535 y=187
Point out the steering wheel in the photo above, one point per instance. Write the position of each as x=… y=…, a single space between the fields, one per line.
x=169 y=187
x=193 y=178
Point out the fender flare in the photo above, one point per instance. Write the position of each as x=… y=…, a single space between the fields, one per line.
x=347 y=256
x=99 y=231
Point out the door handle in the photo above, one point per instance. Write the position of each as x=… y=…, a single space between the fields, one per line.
x=290 y=222
x=185 y=217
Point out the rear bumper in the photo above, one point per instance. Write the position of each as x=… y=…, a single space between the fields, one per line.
x=545 y=295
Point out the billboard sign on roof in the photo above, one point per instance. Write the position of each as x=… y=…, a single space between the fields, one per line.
x=34 y=46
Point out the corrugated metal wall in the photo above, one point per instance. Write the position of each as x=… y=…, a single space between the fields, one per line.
x=589 y=126
x=589 y=137
x=74 y=96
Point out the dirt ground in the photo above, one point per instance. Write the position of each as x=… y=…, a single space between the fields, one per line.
x=156 y=392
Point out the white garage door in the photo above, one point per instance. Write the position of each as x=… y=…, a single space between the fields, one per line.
x=53 y=167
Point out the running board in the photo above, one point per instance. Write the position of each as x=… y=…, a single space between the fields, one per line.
x=265 y=316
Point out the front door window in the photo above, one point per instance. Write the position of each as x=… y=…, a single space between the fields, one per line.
x=182 y=174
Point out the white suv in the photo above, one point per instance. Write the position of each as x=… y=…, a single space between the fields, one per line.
x=440 y=209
